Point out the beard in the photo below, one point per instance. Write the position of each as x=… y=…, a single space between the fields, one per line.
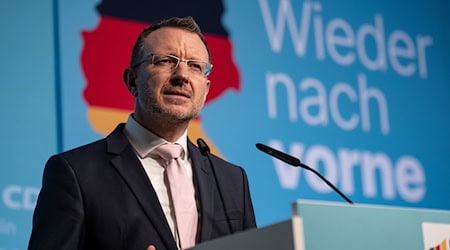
x=166 y=110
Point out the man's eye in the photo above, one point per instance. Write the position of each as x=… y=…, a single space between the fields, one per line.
x=196 y=66
x=164 y=61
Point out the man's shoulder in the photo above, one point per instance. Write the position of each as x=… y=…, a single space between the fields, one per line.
x=220 y=164
x=222 y=161
x=224 y=166
x=95 y=145
x=98 y=146
x=93 y=150
x=85 y=152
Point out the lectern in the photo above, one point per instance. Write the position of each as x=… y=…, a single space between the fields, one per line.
x=327 y=225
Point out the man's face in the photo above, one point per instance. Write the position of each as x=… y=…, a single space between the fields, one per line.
x=171 y=95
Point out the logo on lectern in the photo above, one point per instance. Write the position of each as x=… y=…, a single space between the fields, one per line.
x=436 y=236
x=443 y=246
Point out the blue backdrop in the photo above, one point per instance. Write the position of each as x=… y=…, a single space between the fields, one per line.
x=356 y=89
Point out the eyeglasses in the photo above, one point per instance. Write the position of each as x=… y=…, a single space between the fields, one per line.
x=170 y=63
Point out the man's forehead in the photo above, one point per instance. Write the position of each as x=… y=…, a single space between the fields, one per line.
x=172 y=38
x=172 y=33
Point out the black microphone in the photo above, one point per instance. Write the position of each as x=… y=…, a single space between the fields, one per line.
x=204 y=149
x=297 y=163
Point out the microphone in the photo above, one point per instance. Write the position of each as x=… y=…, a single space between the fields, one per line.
x=204 y=149
x=297 y=163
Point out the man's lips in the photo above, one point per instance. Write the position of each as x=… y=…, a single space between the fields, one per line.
x=181 y=93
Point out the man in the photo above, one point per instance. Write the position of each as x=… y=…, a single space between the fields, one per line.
x=118 y=193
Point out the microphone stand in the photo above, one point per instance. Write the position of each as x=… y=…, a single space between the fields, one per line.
x=204 y=149
x=297 y=163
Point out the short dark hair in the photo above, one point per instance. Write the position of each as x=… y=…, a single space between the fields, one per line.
x=185 y=23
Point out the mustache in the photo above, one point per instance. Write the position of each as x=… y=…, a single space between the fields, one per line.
x=177 y=90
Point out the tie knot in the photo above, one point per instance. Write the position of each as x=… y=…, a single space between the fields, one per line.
x=169 y=151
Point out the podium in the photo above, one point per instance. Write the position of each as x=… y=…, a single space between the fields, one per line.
x=328 y=225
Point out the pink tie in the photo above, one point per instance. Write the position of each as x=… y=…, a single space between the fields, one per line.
x=182 y=193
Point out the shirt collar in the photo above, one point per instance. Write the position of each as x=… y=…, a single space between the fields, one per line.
x=144 y=141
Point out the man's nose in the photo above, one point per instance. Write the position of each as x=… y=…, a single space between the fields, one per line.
x=181 y=68
x=182 y=63
x=180 y=74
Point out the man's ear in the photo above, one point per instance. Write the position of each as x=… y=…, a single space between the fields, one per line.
x=129 y=78
x=208 y=85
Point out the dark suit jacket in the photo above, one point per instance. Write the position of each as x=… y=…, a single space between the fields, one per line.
x=98 y=196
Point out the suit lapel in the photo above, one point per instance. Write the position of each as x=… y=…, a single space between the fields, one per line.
x=204 y=189
x=132 y=171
